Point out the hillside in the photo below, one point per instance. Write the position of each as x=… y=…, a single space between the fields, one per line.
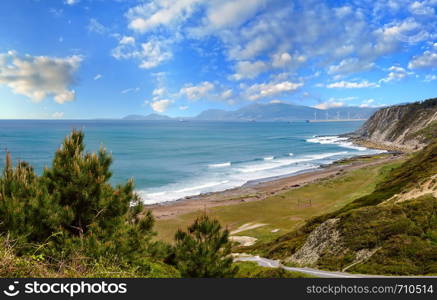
x=392 y=230
x=273 y=112
x=284 y=112
x=407 y=127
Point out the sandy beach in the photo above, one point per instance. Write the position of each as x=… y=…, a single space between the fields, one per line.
x=256 y=191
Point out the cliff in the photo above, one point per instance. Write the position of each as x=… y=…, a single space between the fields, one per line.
x=404 y=127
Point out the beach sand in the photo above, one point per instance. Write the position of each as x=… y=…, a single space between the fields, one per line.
x=256 y=191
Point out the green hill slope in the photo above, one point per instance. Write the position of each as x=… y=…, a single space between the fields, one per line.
x=393 y=230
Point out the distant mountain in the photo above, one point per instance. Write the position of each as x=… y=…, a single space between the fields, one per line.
x=285 y=112
x=274 y=112
x=151 y=117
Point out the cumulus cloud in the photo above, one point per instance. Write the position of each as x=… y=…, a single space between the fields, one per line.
x=161 y=105
x=258 y=91
x=350 y=65
x=39 y=77
x=329 y=104
x=146 y=17
x=426 y=60
x=249 y=70
x=396 y=73
x=197 y=91
x=149 y=54
x=352 y=85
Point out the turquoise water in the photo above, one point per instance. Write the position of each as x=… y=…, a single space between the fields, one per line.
x=170 y=160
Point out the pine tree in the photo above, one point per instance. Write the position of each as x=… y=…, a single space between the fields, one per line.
x=204 y=250
x=72 y=207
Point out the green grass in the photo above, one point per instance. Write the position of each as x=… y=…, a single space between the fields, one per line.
x=282 y=211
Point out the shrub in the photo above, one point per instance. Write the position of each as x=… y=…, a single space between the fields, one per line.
x=204 y=250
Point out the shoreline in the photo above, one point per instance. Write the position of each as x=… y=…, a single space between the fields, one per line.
x=258 y=190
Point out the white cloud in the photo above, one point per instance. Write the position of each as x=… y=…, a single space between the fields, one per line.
x=352 y=85
x=96 y=26
x=227 y=94
x=161 y=105
x=183 y=107
x=370 y=103
x=126 y=40
x=276 y=101
x=430 y=77
x=146 y=17
x=396 y=74
x=153 y=55
x=247 y=69
x=224 y=14
x=158 y=92
x=38 y=77
x=71 y=2
x=149 y=54
x=197 y=92
x=420 y=8
x=258 y=91
x=329 y=104
x=130 y=90
x=350 y=65
x=281 y=60
x=367 y=103
x=57 y=115
x=427 y=60
x=97 y=77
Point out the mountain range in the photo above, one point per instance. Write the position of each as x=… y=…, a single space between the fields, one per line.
x=271 y=112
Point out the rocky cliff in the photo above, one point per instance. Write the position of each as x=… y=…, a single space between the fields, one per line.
x=406 y=127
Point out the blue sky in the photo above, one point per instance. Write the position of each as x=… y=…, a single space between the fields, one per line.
x=106 y=59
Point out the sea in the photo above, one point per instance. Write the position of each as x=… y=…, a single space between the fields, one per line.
x=170 y=160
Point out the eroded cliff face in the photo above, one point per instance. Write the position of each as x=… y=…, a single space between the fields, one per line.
x=403 y=127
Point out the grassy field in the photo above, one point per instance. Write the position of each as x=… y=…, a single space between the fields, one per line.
x=288 y=210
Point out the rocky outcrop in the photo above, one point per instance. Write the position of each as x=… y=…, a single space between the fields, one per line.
x=324 y=236
x=402 y=127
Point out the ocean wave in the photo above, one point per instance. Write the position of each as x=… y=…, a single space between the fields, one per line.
x=222 y=165
x=269 y=158
x=336 y=140
x=178 y=191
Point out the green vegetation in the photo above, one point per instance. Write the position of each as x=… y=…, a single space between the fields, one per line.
x=402 y=233
x=70 y=222
x=287 y=210
x=70 y=217
x=204 y=250
x=252 y=270
x=426 y=134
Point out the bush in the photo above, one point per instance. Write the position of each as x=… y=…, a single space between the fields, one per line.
x=204 y=250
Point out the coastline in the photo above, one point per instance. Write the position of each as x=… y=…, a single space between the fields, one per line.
x=261 y=189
